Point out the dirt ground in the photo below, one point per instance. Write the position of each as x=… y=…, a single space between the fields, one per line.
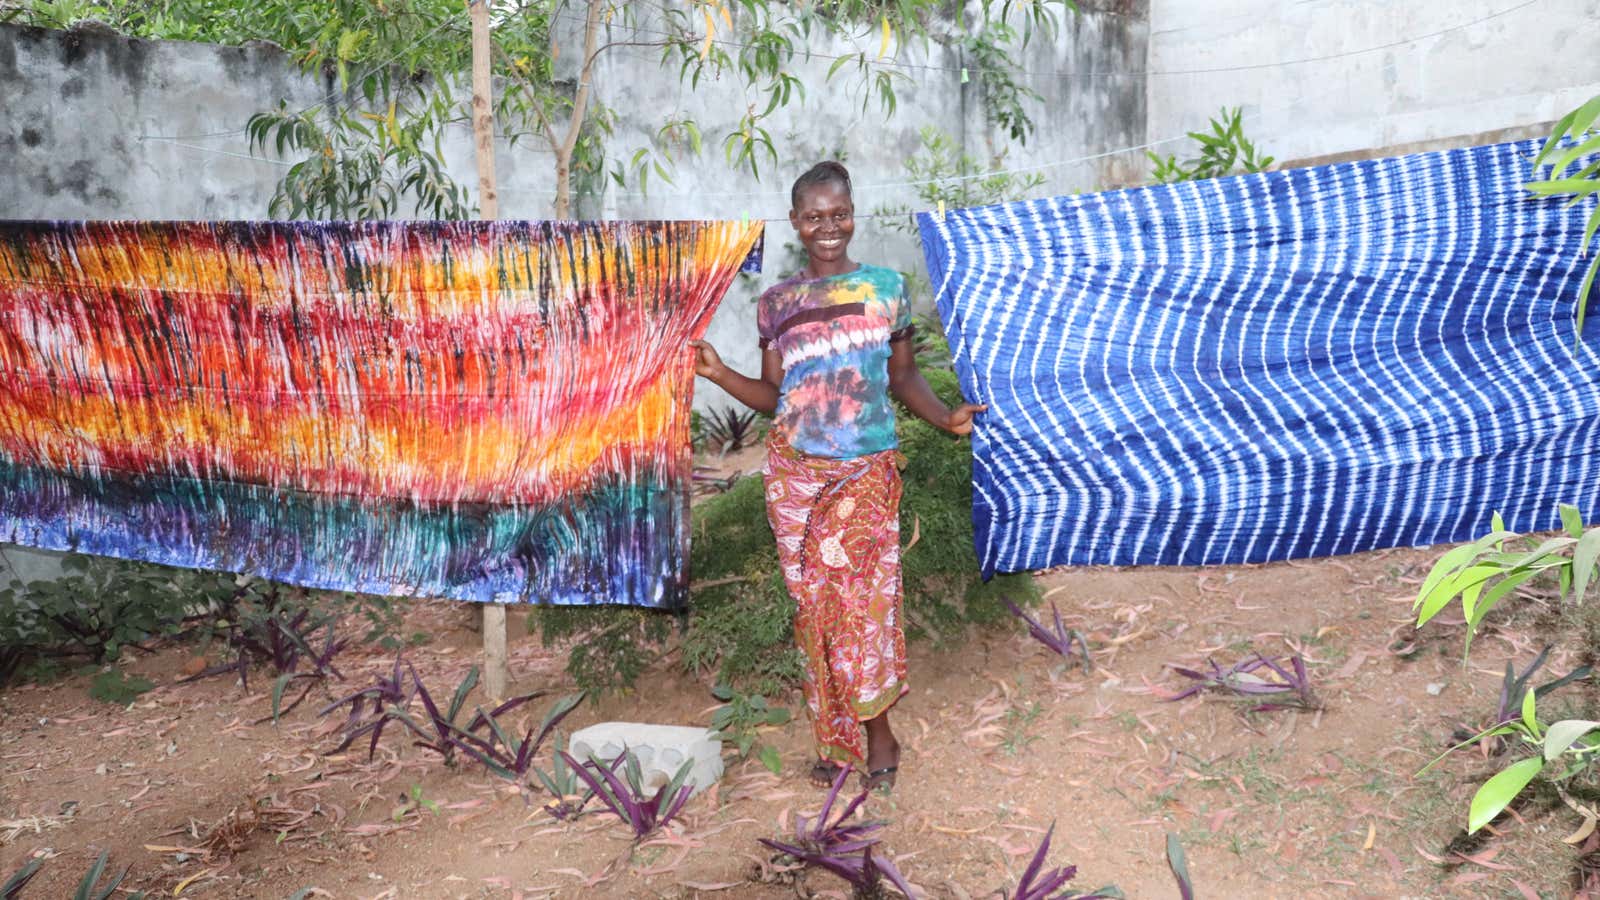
x=1000 y=741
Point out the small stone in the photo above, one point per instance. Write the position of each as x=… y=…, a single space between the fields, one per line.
x=1434 y=688
x=101 y=769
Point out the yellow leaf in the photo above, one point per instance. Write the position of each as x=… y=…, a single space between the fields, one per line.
x=888 y=33
x=1583 y=832
x=726 y=19
x=1372 y=834
x=190 y=880
x=394 y=127
x=711 y=30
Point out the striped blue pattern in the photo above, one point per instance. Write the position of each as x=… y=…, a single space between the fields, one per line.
x=1302 y=363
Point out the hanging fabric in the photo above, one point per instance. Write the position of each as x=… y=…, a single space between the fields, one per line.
x=1300 y=363
x=491 y=411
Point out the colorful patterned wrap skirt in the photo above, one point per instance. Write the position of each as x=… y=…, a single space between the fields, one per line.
x=838 y=530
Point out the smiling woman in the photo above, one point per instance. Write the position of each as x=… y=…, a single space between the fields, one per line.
x=835 y=341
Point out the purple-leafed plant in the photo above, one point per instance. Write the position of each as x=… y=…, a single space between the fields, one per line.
x=625 y=796
x=1514 y=687
x=389 y=693
x=728 y=429
x=282 y=636
x=1241 y=681
x=441 y=734
x=19 y=879
x=845 y=850
x=502 y=754
x=1061 y=640
x=1179 y=864
x=1048 y=882
x=568 y=798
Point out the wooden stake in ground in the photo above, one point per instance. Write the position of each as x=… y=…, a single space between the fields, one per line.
x=495 y=671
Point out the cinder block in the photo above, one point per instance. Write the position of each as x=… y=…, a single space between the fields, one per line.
x=660 y=749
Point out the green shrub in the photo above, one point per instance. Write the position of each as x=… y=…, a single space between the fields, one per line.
x=100 y=605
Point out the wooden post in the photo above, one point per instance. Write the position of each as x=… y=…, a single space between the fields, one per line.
x=495 y=670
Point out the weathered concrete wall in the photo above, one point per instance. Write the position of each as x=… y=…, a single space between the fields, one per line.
x=1339 y=78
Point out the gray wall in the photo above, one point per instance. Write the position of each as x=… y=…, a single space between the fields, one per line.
x=1329 y=79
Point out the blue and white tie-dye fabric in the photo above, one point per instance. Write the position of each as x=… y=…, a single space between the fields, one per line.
x=1301 y=363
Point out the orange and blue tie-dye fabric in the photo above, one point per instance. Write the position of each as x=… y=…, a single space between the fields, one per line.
x=834 y=335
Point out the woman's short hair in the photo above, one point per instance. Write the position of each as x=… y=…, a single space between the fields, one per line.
x=821 y=173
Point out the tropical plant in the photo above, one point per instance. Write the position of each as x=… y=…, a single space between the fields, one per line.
x=20 y=878
x=1481 y=574
x=1484 y=572
x=369 y=708
x=728 y=429
x=1581 y=183
x=828 y=843
x=740 y=720
x=1223 y=151
x=90 y=887
x=1568 y=747
x=503 y=754
x=627 y=798
x=568 y=796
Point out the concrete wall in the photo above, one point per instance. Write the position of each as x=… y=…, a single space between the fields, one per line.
x=1321 y=80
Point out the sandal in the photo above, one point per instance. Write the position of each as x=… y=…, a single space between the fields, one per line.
x=880 y=780
x=823 y=773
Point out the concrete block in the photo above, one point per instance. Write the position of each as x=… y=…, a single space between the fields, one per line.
x=660 y=749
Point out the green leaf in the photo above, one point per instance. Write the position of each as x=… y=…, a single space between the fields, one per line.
x=1502 y=588
x=769 y=758
x=278 y=687
x=1554 y=186
x=1572 y=520
x=462 y=690
x=1584 y=557
x=1562 y=734
x=1530 y=717
x=1573 y=154
x=1499 y=791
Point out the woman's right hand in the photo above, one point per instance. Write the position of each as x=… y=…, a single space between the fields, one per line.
x=707 y=362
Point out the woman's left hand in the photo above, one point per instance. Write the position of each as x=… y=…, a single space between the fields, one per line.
x=960 y=419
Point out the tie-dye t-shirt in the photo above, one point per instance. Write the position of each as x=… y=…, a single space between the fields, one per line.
x=834 y=335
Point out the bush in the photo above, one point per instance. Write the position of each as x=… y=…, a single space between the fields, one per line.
x=100 y=605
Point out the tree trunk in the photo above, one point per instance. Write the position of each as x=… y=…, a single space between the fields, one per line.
x=580 y=108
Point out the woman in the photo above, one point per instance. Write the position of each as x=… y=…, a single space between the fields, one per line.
x=835 y=344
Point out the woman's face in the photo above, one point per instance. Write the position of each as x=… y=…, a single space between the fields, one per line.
x=824 y=220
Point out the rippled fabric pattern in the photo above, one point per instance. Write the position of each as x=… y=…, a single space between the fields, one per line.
x=480 y=411
x=1301 y=363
